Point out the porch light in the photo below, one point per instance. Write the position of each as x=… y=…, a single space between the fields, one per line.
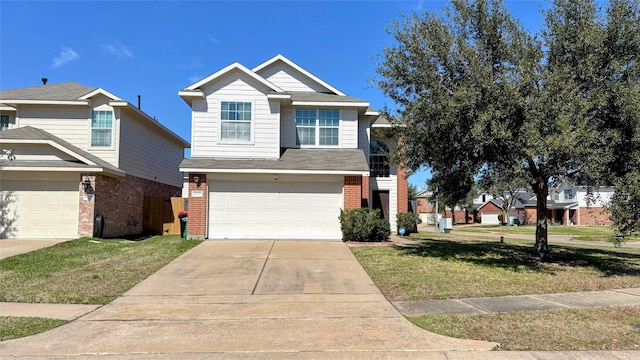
x=196 y=179
x=86 y=184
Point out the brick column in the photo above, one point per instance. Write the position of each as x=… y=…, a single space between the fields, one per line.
x=403 y=190
x=86 y=209
x=352 y=192
x=365 y=192
x=197 y=218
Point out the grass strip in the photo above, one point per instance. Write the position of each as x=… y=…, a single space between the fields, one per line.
x=593 y=329
x=17 y=327
x=86 y=271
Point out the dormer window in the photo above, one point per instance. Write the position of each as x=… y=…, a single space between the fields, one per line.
x=378 y=159
x=4 y=122
x=317 y=127
x=101 y=128
x=568 y=194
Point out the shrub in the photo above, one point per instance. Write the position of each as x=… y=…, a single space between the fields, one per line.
x=363 y=225
x=408 y=221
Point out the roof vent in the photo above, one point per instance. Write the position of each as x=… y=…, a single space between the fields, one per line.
x=44 y=81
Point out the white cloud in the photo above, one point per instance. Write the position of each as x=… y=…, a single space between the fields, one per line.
x=118 y=50
x=212 y=39
x=66 y=56
x=194 y=79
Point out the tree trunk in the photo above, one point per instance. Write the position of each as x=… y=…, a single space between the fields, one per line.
x=453 y=215
x=541 y=190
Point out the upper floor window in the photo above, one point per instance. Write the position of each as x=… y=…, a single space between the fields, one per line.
x=378 y=159
x=568 y=194
x=4 y=122
x=317 y=127
x=101 y=128
x=235 y=121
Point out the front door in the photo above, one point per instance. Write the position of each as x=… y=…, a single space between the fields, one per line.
x=381 y=201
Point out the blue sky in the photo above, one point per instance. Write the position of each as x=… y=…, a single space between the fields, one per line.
x=156 y=48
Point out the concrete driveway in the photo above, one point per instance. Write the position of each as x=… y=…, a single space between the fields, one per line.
x=11 y=247
x=247 y=299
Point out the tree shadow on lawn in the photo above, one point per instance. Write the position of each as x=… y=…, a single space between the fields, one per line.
x=515 y=257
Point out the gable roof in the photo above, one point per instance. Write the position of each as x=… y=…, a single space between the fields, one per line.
x=281 y=58
x=317 y=161
x=72 y=93
x=235 y=66
x=66 y=91
x=31 y=135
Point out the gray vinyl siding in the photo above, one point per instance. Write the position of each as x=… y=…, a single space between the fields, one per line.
x=287 y=128
x=349 y=129
x=149 y=153
x=70 y=123
x=236 y=86
x=363 y=136
x=289 y=79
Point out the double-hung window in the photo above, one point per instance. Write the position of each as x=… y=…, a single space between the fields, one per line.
x=317 y=127
x=4 y=122
x=101 y=128
x=235 y=121
x=568 y=194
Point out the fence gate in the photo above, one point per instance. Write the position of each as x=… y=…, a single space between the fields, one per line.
x=161 y=215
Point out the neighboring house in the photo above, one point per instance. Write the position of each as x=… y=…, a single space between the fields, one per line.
x=71 y=153
x=426 y=210
x=278 y=152
x=566 y=204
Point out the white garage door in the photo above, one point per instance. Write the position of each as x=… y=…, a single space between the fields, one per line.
x=270 y=210
x=41 y=209
x=488 y=218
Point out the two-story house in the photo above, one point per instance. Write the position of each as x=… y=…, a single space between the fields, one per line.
x=277 y=152
x=567 y=204
x=79 y=161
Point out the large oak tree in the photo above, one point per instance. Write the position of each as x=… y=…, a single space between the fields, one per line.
x=475 y=94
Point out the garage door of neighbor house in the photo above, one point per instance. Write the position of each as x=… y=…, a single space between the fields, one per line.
x=41 y=209
x=488 y=218
x=275 y=210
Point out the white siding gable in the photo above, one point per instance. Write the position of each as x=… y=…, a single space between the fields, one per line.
x=600 y=197
x=289 y=79
x=236 y=86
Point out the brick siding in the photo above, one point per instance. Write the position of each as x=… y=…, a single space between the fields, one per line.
x=365 y=191
x=197 y=218
x=121 y=201
x=352 y=192
x=594 y=216
x=403 y=191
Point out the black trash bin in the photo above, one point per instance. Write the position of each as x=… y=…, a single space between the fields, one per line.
x=183 y=224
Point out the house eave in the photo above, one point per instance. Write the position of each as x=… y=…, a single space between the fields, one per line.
x=276 y=171
x=331 y=103
x=46 y=102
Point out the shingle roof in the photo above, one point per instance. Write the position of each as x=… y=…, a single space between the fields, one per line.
x=292 y=159
x=60 y=92
x=322 y=97
x=31 y=133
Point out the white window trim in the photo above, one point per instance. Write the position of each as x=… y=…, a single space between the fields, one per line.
x=9 y=122
x=317 y=127
x=253 y=122
x=113 y=127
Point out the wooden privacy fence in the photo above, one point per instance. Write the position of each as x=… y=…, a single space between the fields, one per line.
x=161 y=215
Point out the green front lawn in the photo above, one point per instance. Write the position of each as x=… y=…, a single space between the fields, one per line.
x=17 y=327
x=86 y=271
x=459 y=266
x=578 y=232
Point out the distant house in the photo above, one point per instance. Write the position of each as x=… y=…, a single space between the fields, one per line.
x=426 y=210
x=277 y=152
x=567 y=204
x=79 y=161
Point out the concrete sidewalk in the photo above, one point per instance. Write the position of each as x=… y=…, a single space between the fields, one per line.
x=620 y=297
